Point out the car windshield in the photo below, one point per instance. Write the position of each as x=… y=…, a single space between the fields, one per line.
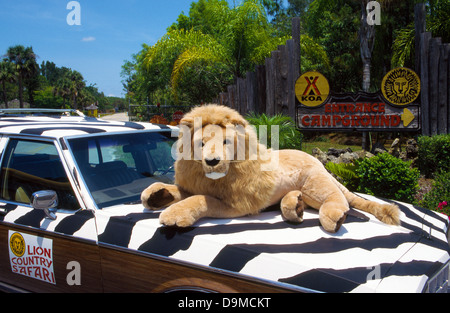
x=118 y=167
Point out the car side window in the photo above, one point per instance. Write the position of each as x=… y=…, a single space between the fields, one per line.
x=30 y=166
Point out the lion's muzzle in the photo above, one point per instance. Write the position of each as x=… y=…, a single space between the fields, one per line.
x=212 y=162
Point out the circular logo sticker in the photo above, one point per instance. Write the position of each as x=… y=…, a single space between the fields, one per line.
x=401 y=86
x=312 y=89
x=17 y=244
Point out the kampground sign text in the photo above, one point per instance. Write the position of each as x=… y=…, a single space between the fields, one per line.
x=390 y=109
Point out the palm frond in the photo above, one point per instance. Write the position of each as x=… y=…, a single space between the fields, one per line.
x=403 y=47
x=345 y=171
x=288 y=137
x=210 y=53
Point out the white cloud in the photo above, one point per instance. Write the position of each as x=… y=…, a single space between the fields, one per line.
x=88 y=39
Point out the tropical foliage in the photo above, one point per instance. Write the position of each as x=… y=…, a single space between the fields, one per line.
x=46 y=85
x=383 y=175
x=434 y=154
x=217 y=41
x=205 y=51
x=346 y=173
x=287 y=136
x=387 y=176
x=22 y=62
x=437 y=22
x=438 y=198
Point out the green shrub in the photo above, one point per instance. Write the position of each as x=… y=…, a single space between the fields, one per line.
x=438 y=199
x=289 y=136
x=386 y=176
x=434 y=154
x=346 y=173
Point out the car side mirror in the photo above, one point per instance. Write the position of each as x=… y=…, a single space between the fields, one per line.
x=45 y=200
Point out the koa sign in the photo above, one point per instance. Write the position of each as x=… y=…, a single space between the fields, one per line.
x=392 y=108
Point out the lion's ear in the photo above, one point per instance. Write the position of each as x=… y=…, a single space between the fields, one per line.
x=187 y=121
x=238 y=121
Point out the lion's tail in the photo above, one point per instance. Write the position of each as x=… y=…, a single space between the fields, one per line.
x=387 y=213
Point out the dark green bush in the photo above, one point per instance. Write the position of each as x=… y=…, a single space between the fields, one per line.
x=386 y=176
x=434 y=154
x=438 y=199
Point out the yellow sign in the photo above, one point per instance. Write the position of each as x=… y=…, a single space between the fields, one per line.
x=401 y=86
x=17 y=244
x=312 y=89
x=407 y=117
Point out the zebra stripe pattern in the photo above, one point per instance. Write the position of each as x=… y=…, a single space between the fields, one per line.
x=364 y=256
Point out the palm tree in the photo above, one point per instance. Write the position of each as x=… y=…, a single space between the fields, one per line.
x=7 y=75
x=437 y=22
x=62 y=89
x=24 y=61
x=75 y=86
x=230 y=43
x=208 y=56
x=68 y=86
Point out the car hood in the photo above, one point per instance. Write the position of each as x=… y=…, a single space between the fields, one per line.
x=364 y=256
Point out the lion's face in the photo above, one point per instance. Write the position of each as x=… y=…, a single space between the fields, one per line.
x=215 y=146
x=216 y=137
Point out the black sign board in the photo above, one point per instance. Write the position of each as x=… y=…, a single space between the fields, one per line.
x=321 y=109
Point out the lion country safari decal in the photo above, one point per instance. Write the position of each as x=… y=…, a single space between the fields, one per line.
x=31 y=256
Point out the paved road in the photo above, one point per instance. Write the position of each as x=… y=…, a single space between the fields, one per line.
x=121 y=117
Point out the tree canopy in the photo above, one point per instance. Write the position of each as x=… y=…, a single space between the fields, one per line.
x=46 y=85
x=206 y=49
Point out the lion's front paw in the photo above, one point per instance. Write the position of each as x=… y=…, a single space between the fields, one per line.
x=156 y=196
x=177 y=216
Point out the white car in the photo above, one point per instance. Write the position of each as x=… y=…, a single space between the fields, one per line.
x=71 y=220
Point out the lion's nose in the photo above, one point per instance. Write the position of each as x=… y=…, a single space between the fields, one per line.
x=212 y=162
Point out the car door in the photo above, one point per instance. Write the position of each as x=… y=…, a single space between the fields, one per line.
x=44 y=251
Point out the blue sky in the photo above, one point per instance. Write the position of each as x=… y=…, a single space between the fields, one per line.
x=110 y=32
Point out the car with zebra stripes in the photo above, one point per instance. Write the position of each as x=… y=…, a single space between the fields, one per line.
x=71 y=221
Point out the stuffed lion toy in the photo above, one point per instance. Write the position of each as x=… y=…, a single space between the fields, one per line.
x=222 y=171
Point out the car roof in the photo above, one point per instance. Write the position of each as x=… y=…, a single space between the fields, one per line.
x=58 y=126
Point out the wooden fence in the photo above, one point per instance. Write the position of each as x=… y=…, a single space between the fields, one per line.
x=270 y=88
x=433 y=64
